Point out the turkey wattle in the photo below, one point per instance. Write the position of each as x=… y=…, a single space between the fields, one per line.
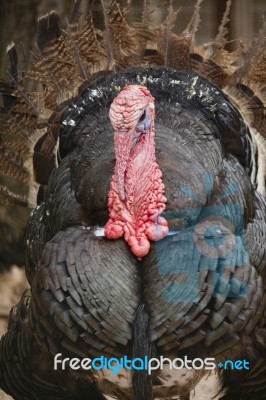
x=161 y=143
x=136 y=198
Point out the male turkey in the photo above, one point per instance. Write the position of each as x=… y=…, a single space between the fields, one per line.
x=149 y=234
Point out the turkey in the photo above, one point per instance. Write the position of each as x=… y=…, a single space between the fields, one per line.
x=147 y=156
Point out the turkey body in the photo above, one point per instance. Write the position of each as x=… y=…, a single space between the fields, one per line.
x=198 y=283
x=198 y=293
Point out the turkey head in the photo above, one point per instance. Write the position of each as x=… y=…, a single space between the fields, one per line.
x=136 y=198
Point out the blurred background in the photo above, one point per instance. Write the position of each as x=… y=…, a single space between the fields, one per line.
x=18 y=21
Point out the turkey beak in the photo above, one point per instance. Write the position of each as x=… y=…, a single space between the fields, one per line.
x=123 y=145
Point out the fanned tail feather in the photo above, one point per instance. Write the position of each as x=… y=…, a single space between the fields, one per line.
x=66 y=59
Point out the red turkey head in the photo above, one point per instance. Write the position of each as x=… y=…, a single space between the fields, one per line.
x=136 y=197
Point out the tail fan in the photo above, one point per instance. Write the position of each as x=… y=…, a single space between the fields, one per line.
x=66 y=60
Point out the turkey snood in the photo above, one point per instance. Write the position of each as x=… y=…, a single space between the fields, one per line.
x=136 y=197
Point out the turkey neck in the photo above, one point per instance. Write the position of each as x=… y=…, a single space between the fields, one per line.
x=139 y=174
x=136 y=199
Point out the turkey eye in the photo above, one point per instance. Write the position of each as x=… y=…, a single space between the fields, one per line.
x=142 y=116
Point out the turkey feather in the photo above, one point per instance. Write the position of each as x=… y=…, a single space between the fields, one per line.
x=158 y=142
